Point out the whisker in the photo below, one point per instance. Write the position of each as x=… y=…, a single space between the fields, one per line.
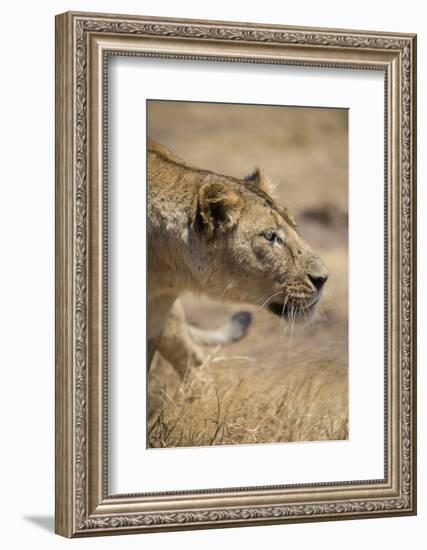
x=282 y=316
x=293 y=316
x=303 y=311
x=307 y=317
x=322 y=312
x=225 y=290
x=286 y=325
x=272 y=296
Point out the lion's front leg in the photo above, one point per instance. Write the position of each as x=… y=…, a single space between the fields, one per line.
x=176 y=343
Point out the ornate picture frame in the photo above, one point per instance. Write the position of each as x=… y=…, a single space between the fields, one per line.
x=83 y=43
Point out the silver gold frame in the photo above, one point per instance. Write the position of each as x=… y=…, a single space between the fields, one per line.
x=83 y=43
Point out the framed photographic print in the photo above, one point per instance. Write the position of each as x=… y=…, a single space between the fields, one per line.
x=235 y=274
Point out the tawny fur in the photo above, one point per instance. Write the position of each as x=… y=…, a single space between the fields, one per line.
x=207 y=235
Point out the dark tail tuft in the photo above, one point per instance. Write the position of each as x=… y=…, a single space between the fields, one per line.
x=240 y=323
x=235 y=329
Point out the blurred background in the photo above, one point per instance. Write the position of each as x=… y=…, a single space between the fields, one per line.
x=280 y=383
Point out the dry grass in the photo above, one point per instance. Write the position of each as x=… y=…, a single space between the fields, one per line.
x=277 y=384
x=230 y=400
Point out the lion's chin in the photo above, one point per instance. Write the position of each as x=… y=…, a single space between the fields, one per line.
x=292 y=312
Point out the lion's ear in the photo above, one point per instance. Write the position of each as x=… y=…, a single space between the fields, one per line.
x=260 y=180
x=218 y=208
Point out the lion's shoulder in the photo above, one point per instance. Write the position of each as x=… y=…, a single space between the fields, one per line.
x=164 y=154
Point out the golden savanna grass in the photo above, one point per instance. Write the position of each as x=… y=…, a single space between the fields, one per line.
x=282 y=382
x=216 y=406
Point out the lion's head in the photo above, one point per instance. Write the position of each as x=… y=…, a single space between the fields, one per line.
x=255 y=253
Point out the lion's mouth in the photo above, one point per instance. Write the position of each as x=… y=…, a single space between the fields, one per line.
x=292 y=311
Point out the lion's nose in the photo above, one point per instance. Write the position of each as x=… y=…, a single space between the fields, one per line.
x=318 y=280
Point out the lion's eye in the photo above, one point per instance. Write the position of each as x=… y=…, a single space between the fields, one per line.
x=270 y=235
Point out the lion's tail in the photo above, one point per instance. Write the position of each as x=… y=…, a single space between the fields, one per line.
x=233 y=330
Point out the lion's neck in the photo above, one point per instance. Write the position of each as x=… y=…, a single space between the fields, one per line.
x=177 y=258
x=172 y=253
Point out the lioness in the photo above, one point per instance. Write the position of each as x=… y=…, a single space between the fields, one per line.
x=225 y=238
